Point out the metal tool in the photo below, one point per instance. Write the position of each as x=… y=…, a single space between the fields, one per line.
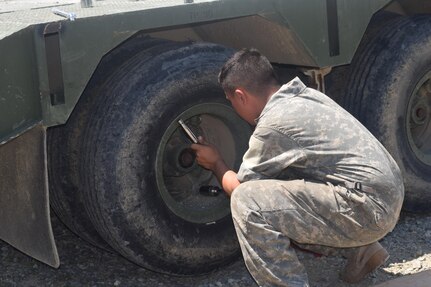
x=189 y=132
x=69 y=15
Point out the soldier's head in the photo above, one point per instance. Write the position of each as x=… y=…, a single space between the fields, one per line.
x=248 y=81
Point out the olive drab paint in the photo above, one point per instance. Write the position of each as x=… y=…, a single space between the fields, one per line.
x=26 y=86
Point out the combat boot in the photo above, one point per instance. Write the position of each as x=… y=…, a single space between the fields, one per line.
x=362 y=261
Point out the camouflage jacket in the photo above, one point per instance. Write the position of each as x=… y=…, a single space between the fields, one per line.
x=303 y=134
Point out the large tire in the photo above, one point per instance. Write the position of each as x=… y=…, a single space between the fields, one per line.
x=65 y=197
x=141 y=183
x=390 y=92
x=64 y=153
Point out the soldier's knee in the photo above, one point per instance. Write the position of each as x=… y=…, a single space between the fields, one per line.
x=242 y=199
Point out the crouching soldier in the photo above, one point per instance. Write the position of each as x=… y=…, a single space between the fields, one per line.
x=313 y=175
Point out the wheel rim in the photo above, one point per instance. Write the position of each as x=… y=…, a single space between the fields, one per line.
x=179 y=177
x=419 y=120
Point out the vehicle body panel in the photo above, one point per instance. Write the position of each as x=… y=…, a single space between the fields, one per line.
x=300 y=27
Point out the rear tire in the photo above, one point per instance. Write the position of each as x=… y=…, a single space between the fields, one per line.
x=390 y=93
x=64 y=151
x=142 y=202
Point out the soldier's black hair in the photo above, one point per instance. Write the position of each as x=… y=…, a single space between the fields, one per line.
x=248 y=69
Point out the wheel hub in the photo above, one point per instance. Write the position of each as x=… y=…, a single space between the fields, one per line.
x=186 y=158
x=179 y=177
x=419 y=121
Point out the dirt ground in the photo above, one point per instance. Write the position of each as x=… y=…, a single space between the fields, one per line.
x=84 y=265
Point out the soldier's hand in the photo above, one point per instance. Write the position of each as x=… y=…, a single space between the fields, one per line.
x=207 y=155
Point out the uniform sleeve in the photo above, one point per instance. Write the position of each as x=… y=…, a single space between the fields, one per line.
x=270 y=152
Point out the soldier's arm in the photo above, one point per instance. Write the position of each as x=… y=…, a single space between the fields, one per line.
x=208 y=157
x=270 y=153
x=226 y=177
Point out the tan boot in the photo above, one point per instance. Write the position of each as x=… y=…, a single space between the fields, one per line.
x=364 y=260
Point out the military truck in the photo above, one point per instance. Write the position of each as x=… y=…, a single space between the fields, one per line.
x=91 y=93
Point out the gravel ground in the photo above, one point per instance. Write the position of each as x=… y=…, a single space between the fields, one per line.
x=84 y=265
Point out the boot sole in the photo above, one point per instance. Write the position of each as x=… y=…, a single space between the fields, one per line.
x=375 y=261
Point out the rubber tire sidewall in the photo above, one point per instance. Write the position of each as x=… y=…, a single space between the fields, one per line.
x=126 y=205
x=397 y=64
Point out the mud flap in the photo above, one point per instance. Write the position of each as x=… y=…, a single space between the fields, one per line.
x=24 y=200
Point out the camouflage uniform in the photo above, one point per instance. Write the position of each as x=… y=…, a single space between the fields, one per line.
x=297 y=184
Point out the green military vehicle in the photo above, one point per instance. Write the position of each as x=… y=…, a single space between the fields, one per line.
x=91 y=93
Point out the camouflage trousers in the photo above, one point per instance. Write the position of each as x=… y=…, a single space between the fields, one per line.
x=270 y=214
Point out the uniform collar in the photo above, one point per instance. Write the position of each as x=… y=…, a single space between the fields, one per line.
x=287 y=91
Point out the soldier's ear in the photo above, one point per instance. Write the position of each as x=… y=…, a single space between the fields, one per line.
x=241 y=95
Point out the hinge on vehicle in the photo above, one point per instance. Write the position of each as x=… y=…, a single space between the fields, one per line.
x=317 y=77
x=51 y=34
